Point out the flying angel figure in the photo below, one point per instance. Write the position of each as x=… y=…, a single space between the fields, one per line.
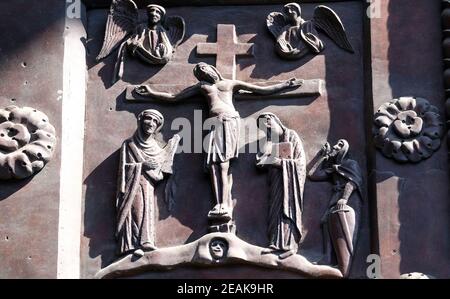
x=296 y=37
x=152 y=38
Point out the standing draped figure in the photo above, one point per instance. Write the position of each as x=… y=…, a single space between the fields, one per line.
x=143 y=163
x=340 y=222
x=284 y=158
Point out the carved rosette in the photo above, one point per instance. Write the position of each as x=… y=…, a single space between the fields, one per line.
x=27 y=142
x=446 y=44
x=408 y=129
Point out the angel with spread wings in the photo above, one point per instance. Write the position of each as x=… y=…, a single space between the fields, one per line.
x=152 y=39
x=297 y=37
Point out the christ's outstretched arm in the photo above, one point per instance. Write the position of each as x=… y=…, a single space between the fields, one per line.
x=146 y=91
x=267 y=90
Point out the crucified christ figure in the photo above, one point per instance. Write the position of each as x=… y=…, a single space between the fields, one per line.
x=224 y=135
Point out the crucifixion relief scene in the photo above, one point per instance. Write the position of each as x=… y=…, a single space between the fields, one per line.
x=215 y=139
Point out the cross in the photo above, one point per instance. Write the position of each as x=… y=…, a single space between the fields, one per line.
x=214 y=91
x=226 y=49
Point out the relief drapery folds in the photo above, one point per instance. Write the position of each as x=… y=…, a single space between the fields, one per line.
x=340 y=222
x=283 y=155
x=143 y=163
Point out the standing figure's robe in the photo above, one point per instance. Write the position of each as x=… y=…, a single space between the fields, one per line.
x=154 y=46
x=286 y=196
x=295 y=42
x=136 y=195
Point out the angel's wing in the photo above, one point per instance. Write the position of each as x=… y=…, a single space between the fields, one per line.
x=176 y=29
x=122 y=20
x=329 y=22
x=275 y=23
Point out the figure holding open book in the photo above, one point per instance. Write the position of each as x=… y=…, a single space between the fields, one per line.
x=283 y=156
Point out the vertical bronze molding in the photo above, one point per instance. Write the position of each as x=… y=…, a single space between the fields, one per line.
x=446 y=53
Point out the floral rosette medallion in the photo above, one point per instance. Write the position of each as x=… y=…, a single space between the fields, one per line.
x=408 y=129
x=27 y=142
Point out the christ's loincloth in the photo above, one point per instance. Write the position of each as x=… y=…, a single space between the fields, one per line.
x=223 y=139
